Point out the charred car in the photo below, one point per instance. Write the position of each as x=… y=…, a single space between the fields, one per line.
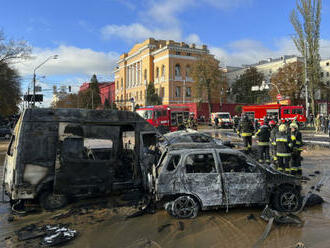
x=189 y=136
x=192 y=177
x=58 y=154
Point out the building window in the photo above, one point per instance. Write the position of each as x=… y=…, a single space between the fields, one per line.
x=141 y=95
x=162 y=91
x=188 y=71
x=163 y=70
x=188 y=91
x=145 y=74
x=188 y=54
x=177 y=70
x=121 y=83
x=157 y=72
x=177 y=91
x=322 y=74
x=327 y=63
x=327 y=74
x=177 y=53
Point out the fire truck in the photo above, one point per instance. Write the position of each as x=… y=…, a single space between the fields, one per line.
x=277 y=111
x=165 y=117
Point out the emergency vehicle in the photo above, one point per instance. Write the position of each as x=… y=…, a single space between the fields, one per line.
x=165 y=117
x=278 y=111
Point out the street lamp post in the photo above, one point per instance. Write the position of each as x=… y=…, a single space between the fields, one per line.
x=34 y=77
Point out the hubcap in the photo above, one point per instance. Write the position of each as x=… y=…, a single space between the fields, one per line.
x=289 y=201
x=184 y=207
x=56 y=200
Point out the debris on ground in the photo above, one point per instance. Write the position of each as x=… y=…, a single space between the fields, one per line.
x=280 y=218
x=51 y=234
x=300 y=245
x=251 y=217
x=317 y=172
x=162 y=227
x=313 y=200
x=57 y=234
x=10 y=218
x=31 y=231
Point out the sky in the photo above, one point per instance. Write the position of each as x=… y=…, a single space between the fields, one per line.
x=89 y=36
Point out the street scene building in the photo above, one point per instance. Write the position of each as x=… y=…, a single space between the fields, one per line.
x=166 y=63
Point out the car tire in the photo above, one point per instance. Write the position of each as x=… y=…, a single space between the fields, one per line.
x=185 y=207
x=49 y=201
x=287 y=199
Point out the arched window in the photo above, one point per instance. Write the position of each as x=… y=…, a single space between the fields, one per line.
x=121 y=82
x=163 y=70
x=177 y=70
x=188 y=71
x=141 y=95
x=157 y=72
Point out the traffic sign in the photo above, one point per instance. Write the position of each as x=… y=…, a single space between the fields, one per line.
x=278 y=97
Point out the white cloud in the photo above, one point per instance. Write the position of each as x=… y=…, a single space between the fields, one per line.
x=193 y=38
x=228 y=4
x=71 y=61
x=137 y=32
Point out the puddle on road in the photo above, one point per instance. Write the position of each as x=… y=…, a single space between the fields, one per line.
x=110 y=228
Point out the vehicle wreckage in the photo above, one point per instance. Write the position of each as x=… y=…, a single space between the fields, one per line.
x=195 y=176
x=58 y=154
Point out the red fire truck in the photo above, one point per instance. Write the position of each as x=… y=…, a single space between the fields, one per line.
x=165 y=117
x=280 y=112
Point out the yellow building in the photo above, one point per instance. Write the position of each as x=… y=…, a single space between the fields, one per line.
x=165 y=62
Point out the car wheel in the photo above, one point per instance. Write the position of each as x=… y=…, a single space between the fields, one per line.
x=185 y=207
x=287 y=199
x=49 y=201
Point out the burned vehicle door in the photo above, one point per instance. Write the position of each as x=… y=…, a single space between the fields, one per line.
x=86 y=161
x=169 y=180
x=245 y=183
x=202 y=178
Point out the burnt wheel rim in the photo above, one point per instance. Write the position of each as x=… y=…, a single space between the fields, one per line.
x=184 y=207
x=289 y=201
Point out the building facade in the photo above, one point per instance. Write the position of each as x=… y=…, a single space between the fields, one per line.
x=107 y=90
x=165 y=63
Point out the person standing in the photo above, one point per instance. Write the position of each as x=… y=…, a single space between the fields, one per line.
x=283 y=149
x=246 y=130
x=273 y=131
x=297 y=142
x=216 y=122
x=263 y=135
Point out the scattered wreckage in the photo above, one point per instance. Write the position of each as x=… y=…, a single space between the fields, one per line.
x=191 y=176
x=58 y=154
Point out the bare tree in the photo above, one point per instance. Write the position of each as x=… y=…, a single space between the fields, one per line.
x=13 y=50
x=306 y=20
x=290 y=79
x=209 y=79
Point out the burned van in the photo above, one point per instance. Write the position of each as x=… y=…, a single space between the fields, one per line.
x=56 y=154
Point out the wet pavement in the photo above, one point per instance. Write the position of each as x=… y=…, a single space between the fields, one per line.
x=102 y=222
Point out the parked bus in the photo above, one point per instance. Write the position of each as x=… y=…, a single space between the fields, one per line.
x=165 y=117
x=277 y=111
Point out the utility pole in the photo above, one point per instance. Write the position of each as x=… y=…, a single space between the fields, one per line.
x=306 y=82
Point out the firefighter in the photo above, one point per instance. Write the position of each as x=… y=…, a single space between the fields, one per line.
x=273 y=132
x=263 y=135
x=296 y=139
x=246 y=130
x=236 y=123
x=283 y=149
